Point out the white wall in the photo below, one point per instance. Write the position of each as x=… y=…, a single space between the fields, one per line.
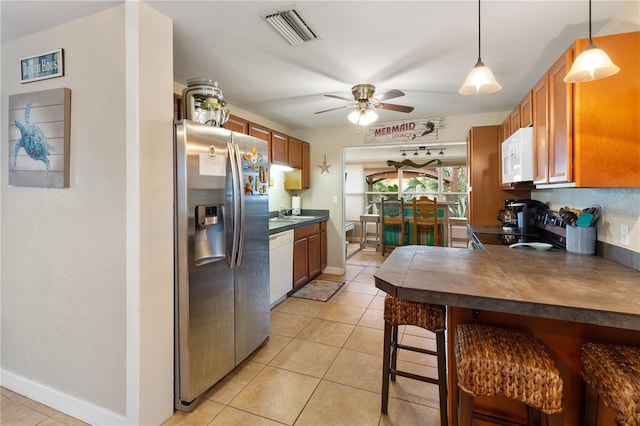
x=86 y=272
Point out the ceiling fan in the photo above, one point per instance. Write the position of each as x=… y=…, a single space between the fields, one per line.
x=363 y=97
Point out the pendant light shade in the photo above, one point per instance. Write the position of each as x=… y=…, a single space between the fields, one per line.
x=480 y=80
x=592 y=64
x=363 y=116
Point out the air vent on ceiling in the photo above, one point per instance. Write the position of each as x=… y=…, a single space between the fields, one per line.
x=290 y=25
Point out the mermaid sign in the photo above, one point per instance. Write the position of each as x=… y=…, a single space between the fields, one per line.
x=39 y=138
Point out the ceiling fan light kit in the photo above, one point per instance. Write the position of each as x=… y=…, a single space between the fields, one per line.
x=362 y=116
x=480 y=80
x=364 y=99
x=592 y=63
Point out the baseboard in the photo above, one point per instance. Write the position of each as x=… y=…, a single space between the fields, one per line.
x=82 y=410
x=332 y=270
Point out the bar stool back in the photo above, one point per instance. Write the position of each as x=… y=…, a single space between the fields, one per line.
x=430 y=317
x=612 y=375
x=494 y=361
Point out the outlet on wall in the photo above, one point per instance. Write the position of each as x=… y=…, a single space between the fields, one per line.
x=624 y=234
x=335 y=199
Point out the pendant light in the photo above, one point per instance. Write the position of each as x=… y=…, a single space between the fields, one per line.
x=480 y=80
x=592 y=64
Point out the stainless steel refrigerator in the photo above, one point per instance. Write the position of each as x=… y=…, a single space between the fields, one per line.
x=221 y=254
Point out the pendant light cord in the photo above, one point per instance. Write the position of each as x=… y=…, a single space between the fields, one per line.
x=590 y=40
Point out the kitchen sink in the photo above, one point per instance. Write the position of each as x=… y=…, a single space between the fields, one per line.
x=292 y=218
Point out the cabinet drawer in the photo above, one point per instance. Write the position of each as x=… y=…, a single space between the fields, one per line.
x=306 y=231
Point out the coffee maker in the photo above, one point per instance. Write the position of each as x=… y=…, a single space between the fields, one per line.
x=523 y=214
x=507 y=217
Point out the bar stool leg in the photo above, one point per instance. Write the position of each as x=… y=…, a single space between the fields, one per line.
x=591 y=401
x=386 y=359
x=442 y=376
x=394 y=350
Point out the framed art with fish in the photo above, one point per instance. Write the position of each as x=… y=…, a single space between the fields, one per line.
x=39 y=134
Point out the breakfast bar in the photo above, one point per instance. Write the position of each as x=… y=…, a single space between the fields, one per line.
x=562 y=298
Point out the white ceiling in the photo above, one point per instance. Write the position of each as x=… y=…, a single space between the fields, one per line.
x=424 y=48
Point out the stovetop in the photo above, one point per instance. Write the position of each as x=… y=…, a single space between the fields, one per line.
x=549 y=228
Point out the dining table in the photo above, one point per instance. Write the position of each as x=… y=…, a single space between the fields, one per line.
x=565 y=299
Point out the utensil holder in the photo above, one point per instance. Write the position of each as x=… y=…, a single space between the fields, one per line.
x=581 y=239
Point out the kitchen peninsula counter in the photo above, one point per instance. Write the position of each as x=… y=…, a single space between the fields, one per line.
x=564 y=299
x=550 y=284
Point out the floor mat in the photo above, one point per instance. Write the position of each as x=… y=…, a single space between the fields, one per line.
x=321 y=290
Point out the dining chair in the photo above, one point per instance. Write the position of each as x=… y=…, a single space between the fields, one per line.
x=395 y=226
x=425 y=221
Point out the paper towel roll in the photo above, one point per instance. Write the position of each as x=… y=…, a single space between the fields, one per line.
x=295 y=205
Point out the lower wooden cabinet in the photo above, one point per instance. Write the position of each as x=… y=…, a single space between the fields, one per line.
x=309 y=253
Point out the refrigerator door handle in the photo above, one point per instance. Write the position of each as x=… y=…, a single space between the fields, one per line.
x=241 y=214
x=235 y=189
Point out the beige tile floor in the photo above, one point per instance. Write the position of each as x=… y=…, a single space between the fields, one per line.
x=321 y=366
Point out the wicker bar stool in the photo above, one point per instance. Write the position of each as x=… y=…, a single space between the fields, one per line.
x=430 y=317
x=494 y=361
x=611 y=374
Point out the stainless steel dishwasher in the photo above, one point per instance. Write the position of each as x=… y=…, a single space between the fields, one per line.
x=280 y=265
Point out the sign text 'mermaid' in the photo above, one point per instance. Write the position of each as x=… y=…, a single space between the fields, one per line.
x=46 y=65
x=414 y=130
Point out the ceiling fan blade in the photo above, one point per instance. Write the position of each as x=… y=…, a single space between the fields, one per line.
x=394 y=107
x=339 y=97
x=333 y=109
x=388 y=95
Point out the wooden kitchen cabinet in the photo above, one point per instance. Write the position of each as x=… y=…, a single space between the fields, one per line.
x=526 y=111
x=309 y=253
x=295 y=153
x=260 y=132
x=306 y=165
x=588 y=134
x=323 y=245
x=237 y=124
x=279 y=148
x=514 y=120
x=483 y=159
x=504 y=131
x=300 y=178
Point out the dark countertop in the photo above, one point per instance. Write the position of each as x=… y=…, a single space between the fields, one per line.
x=290 y=222
x=550 y=284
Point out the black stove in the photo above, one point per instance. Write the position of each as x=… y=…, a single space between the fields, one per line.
x=549 y=228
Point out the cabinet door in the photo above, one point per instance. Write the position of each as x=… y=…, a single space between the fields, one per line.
x=300 y=263
x=306 y=165
x=260 y=132
x=279 y=148
x=323 y=246
x=540 y=127
x=177 y=107
x=237 y=124
x=526 y=113
x=504 y=131
x=314 y=255
x=560 y=120
x=295 y=153
x=514 y=119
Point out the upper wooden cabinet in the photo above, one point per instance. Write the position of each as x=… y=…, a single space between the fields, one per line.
x=526 y=113
x=306 y=165
x=295 y=153
x=260 y=132
x=279 y=148
x=586 y=134
x=237 y=124
x=606 y=135
x=514 y=120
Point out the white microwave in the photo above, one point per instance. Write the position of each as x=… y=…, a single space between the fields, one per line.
x=517 y=156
